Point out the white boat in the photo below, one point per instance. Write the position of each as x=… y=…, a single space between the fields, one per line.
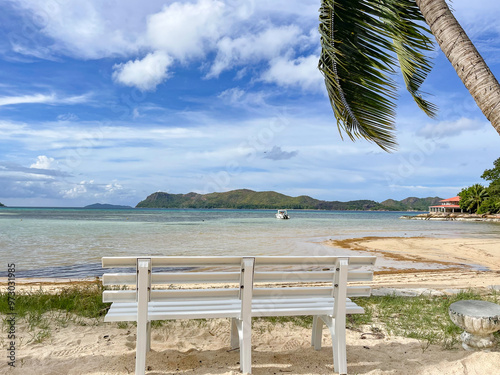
x=282 y=214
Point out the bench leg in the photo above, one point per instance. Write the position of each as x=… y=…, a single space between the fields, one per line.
x=244 y=328
x=235 y=342
x=337 y=330
x=141 y=348
x=148 y=343
x=340 y=339
x=317 y=332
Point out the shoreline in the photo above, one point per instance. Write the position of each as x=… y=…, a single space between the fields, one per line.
x=450 y=264
x=461 y=256
x=457 y=252
x=453 y=216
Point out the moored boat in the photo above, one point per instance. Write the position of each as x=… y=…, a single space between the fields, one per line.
x=282 y=214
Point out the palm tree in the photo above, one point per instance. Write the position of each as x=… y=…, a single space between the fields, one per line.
x=468 y=63
x=473 y=197
x=364 y=41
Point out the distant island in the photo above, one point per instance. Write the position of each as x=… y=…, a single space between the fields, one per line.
x=2 y=205
x=249 y=199
x=106 y=206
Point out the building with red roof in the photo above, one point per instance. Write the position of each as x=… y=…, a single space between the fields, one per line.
x=447 y=205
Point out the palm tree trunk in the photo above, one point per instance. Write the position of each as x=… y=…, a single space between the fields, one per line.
x=468 y=63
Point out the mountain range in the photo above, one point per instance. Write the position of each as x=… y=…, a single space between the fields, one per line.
x=249 y=199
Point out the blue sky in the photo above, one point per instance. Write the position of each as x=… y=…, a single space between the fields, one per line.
x=110 y=101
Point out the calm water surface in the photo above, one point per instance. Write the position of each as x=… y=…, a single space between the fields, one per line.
x=64 y=242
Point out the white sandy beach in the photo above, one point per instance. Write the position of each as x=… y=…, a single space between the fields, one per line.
x=94 y=347
x=187 y=347
x=461 y=255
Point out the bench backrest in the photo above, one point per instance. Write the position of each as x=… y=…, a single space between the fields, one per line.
x=244 y=278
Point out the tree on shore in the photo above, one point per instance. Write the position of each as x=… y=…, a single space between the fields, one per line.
x=492 y=203
x=480 y=199
x=472 y=197
x=359 y=39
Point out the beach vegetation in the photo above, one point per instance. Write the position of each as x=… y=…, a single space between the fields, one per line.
x=424 y=317
x=83 y=300
x=40 y=311
x=480 y=199
x=472 y=197
x=492 y=203
x=493 y=174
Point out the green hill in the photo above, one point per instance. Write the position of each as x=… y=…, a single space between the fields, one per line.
x=411 y=203
x=232 y=199
x=249 y=199
x=2 y=205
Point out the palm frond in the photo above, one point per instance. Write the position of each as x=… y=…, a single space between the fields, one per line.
x=405 y=24
x=360 y=41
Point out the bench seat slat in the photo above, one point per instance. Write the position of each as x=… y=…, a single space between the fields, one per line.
x=303 y=311
x=358 y=291
x=205 y=314
x=194 y=277
x=167 y=308
x=173 y=261
x=119 y=279
x=293 y=276
x=306 y=292
x=174 y=294
x=172 y=278
x=309 y=276
x=212 y=293
x=119 y=296
x=313 y=260
x=180 y=295
x=176 y=261
x=166 y=312
x=227 y=277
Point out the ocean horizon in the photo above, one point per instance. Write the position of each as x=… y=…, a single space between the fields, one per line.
x=69 y=242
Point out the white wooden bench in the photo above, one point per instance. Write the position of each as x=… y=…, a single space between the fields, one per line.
x=249 y=287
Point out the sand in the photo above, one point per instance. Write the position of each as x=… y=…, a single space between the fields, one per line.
x=188 y=347
x=93 y=347
x=470 y=262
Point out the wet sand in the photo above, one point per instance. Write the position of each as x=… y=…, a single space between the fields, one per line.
x=469 y=262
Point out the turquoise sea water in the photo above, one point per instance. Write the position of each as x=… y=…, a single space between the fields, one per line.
x=67 y=242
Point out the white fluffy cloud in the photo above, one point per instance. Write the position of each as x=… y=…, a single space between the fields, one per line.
x=180 y=31
x=92 y=190
x=302 y=71
x=232 y=31
x=265 y=45
x=185 y=30
x=44 y=162
x=144 y=74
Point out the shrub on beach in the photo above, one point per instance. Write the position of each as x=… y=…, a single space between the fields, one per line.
x=83 y=300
